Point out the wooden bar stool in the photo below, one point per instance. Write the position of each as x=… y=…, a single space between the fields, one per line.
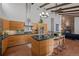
x=56 y=45
x=59 y=45
x=62 y=42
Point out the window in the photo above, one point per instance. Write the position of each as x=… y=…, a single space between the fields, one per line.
x=57 y=27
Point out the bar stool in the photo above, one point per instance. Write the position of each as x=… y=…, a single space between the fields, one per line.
x=62 y=42
x=58 y=46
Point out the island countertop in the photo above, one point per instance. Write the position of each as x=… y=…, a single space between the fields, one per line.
x=37 y=37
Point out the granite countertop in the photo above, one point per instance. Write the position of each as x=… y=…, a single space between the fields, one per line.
x=6 y=36
x=37 y=37
x=44 y=37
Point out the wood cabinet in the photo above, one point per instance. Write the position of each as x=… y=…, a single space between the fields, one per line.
x=42 y=48
x=28 y=38
x=0 y=32
x=14 y=40
x=5 y=25
x=4 y=45
x=15 y=25
x=45 y=29
x=37 y=26
x=17 y=40
x=34 y=28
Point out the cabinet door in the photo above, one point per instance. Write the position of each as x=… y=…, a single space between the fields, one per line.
x=4 y=45
x=28 y=38
x=16 y=40
x=5 y=25
x=35 y=48
x=44 y=47
x=20 y=39
x=12 y=25
x=20 y=25
x=11 y=41
x=15 y=25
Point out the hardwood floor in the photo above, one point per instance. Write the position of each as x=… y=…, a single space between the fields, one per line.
x=21 y=50
x=71 y=49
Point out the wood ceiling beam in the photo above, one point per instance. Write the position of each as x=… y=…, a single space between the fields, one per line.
x=67 y=9
x=72 y=14
x=69 y=13
x=72 y=11
x=44 y=5
x=70 y=7
x=63 y=4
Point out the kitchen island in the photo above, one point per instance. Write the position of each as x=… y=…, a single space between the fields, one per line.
x=45 y=46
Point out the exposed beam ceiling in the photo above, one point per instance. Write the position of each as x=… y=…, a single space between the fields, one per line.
x=44 y=5
x=67 y=9
x=63 y=4
x=62 y=8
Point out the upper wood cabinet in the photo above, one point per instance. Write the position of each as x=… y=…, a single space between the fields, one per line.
x=15 y=25
x=6 y=25
x=36 y=27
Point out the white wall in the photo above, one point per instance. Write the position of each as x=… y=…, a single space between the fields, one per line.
x=14 y=11
x=1 y=11
x=76 y=25
x=57 y=20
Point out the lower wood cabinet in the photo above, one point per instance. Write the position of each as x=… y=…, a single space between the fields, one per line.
x=19 y=39
x=4 y=45
x=14 y=40
x=42 y=48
